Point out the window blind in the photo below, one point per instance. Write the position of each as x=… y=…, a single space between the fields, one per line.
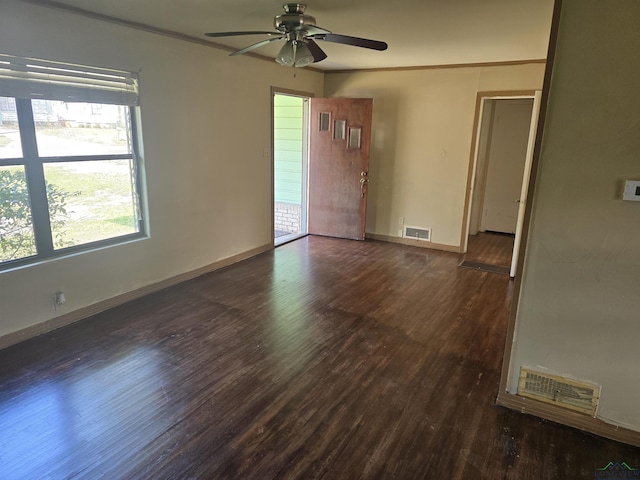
x=43 y=79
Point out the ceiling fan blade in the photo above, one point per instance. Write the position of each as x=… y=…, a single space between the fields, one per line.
x=310 y=30
x=355 y=41
x=254 y=46
x=316 y=51
x=233 y=34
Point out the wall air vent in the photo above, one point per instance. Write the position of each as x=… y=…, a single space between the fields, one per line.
x=417 y=233
x=564 y=392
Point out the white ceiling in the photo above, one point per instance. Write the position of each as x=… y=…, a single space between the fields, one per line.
x=419 y=32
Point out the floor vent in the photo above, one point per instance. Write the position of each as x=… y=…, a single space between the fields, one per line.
x=563 y=392
x=418 y=233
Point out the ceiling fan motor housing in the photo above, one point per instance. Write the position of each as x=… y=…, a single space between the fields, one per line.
x=293 y=19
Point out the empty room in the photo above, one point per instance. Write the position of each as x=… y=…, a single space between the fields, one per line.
x=248 y=240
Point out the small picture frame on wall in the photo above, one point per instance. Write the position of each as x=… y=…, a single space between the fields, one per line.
x=355 y=137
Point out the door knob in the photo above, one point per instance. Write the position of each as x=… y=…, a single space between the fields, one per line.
x=364 y=179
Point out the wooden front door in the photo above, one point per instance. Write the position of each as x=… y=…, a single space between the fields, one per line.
x=340 y=138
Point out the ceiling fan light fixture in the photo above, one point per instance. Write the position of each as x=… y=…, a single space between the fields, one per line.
x=303 y=55
x=286 y=55
x=294 y=54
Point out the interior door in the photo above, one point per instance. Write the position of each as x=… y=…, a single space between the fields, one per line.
x=340 y=138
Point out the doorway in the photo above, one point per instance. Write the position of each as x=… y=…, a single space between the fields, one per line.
x=290 y=166
x=321 y=150
x=504 y=138
x=504 y=132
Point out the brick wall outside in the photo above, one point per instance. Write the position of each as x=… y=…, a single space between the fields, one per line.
x=287 y=217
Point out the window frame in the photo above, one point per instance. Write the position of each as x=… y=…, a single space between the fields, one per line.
x=33 y=165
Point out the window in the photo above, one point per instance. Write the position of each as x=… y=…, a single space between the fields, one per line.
x=69 y=173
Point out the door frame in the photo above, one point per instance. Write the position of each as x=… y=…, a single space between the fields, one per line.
x=293 y=93
x=481 y=98
x=524 y=189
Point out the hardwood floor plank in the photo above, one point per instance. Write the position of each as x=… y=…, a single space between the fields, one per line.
x=322 y=359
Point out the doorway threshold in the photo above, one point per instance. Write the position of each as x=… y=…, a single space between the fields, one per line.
x=485 y=267
x=290 y=237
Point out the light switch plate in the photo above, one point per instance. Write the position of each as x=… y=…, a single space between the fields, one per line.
x=631 y=190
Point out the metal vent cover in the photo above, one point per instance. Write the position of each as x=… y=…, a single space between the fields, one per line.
x=564 y=392
x=418 y=233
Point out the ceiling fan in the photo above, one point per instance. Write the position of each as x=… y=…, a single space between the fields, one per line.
x=300 y=34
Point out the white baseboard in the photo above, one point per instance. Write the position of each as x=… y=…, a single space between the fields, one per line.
x=570 y=418
x=413 y=243
x=85 y=312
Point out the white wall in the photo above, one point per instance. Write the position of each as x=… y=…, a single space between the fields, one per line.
x=422 y=129
x=579 y=309
x=480 y=178
x=206 y=121
x=507 y=155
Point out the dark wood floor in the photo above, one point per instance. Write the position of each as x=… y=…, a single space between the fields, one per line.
x=322 y=359
x=490 y=248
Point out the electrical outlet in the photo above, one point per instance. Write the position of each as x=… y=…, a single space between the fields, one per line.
x=60 y=299
x=401 y=221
